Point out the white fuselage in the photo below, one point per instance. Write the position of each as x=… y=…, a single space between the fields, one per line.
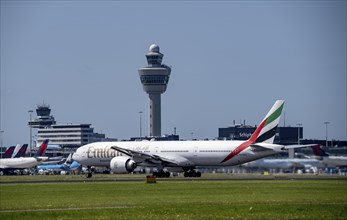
x=19 y=163
x=335 y=161
x=285 y=163
x=187 y=153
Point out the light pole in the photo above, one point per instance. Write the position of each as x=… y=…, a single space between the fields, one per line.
x=1 y=132
x=30 y=112
x=140 y=112
x=326 y=133
x=298 y=124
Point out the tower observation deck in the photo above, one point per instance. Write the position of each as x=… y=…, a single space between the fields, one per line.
x=44 y=119
x=154 y=78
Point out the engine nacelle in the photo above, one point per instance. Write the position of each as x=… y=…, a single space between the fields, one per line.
x=122 y=164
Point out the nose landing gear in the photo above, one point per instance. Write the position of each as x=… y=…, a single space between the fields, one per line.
x=89 y=174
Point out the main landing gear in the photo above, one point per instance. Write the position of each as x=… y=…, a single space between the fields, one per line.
x=188 y=172
x=161 y=174
x=192 y=173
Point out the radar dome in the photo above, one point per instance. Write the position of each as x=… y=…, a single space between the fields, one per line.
x=154 y=48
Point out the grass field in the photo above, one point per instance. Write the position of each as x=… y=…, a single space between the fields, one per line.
x=258 y=199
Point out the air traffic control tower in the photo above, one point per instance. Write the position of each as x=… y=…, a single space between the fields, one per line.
x=154 y=78
x=44 y=119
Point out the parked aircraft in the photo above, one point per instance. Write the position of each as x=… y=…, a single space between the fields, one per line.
x=66 y=166
x=285 y=164
x=123 y=157
x=337 y=161
x=15 y=151
x=75 y=166
x=20 y=152
x=9 y=164
x=8 y=152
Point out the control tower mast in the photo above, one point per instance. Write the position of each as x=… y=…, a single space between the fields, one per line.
x=154 y=79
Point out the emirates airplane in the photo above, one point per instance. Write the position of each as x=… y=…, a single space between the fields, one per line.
x=124 y=157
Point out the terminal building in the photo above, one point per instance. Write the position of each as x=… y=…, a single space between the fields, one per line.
x=284 y=135
x=68 y=136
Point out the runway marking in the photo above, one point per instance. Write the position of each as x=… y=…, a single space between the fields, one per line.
x=67 y=209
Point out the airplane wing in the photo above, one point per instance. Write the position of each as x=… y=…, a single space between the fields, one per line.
x=152 y=158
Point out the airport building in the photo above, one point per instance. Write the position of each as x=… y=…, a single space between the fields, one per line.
x=70 y=135
x=284 y=135
x=67 y=136
x=44 y=119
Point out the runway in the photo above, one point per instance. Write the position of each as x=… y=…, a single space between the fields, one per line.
x=142 y=178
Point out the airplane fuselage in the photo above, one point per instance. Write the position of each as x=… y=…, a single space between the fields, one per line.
x=285 y=163
x=19 y=163
x=56 y=167
x=335 y=161
x=188 y=153
x=126 y=156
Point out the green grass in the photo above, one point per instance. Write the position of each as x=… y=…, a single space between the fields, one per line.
x=261 y=199
x=140 y=177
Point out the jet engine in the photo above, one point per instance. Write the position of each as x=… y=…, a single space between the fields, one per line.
x=122 y=164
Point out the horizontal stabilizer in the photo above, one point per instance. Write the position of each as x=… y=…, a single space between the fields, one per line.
x=297 y=146
x=265 y=146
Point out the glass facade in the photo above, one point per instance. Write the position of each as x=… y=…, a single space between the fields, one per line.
x=154 y=60
x=284 y=135
x=70 y=135
x=154 y=80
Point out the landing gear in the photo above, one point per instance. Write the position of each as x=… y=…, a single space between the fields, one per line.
x=89 y=174
x=192 y=173
x=161 y=174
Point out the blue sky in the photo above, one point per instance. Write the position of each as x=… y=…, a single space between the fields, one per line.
x=230 y=61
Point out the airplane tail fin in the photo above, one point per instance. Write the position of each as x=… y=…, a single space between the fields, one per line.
x=42 y=149
x=318 y=151
x=8 y=153
x=68 y=159
x=21 y=151
x=266 y=130
x=16 y=150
